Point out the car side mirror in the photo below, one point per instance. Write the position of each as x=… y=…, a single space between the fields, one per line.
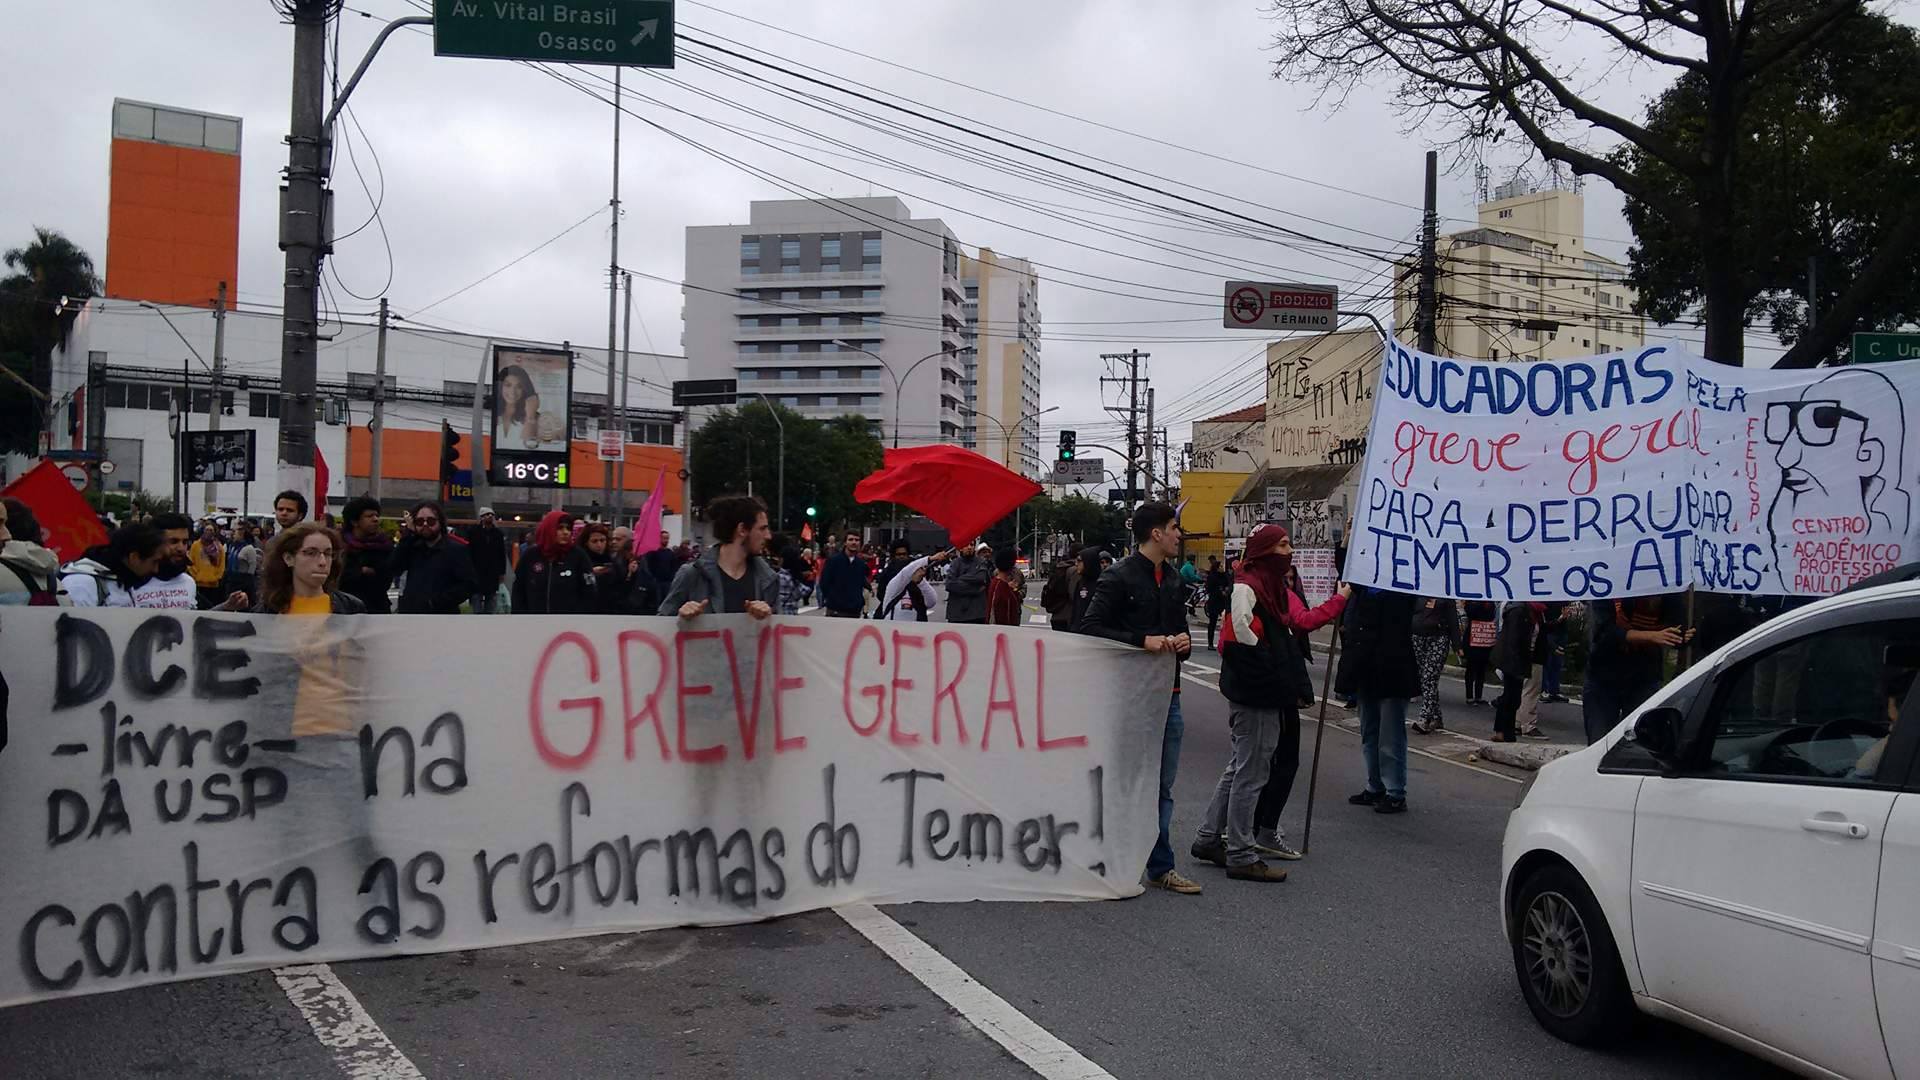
x=1657 y=731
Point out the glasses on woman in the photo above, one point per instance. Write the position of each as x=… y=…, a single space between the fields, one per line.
x=317 y=552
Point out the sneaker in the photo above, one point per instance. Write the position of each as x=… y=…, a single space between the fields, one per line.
x=1209 y=851
x=1535 y=733
x=1173 y=882
x=1390 y=806
x=1498 y=737
x=1256 y=871
x=1278 y=849
x=1421 y=726
x=1366 y=798
x=1557 y=699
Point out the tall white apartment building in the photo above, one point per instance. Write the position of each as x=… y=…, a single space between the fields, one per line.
x=1001 y=370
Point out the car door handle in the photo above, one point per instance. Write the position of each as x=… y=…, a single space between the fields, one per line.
x=1852 y=830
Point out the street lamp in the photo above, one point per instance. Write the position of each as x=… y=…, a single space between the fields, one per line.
x=780 y=485
x=900 y=380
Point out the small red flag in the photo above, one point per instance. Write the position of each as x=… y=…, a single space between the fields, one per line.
x=319 y=484
x=956 y=487
x=72 y=526
x=806 y=532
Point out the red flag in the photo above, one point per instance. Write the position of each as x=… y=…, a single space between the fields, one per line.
x=646 y=531
x=319 y=484
x=956 y=487
x=806 y=532
x=72 y=526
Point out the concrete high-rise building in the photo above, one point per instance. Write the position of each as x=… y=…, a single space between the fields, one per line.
x=1001 y=375
x=833 y=308
x=1523 y=286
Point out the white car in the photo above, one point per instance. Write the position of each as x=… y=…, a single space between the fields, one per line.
x=1742 y=855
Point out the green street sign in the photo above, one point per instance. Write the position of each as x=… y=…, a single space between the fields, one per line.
x=633 y=33
x=1879 y=348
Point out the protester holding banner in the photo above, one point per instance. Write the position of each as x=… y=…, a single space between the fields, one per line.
x=439 y=573
x=732 y=577
x=1142 y=603
x=1377 y=667
x=301 y=574
x=1259 y=673
x=1626 y=656
x=1433 y=631
x=108 y=575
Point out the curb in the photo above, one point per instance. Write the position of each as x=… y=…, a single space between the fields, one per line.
x=1525 y=756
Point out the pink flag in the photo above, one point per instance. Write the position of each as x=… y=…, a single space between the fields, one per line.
x=646 y=531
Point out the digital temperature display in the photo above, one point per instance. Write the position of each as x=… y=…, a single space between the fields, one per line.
x=529 y=470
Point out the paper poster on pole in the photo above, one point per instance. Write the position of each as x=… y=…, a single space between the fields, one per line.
x=1633 y=474
x=206 y=793
x=1318 y=574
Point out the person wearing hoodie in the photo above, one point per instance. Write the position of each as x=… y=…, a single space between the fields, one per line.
x=29 y=572
x=555 y=576
x=1260 y=670
x=967 y=587
x=1378 y=669
x=108 y=575
x=439 y=573
x=732 y=577
x=363 y=571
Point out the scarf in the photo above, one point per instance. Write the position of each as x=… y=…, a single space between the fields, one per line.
x=547 y=536
x=1264 y=570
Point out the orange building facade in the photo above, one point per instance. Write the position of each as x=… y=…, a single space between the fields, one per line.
x=415 y=456
x=173 y=215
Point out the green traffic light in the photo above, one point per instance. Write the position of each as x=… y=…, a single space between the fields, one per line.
x=811 y=512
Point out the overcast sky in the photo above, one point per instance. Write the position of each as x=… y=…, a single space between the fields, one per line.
x=483 y=160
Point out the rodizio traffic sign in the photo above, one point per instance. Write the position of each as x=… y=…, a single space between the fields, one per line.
x=1266 y=305
x=634 y=33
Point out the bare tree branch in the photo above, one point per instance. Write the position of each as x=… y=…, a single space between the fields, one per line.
x=1636 y=44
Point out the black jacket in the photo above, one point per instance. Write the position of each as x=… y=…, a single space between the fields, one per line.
x=1270 y=674
x=1127 y=606
x=1376 y=647
x=488 y=549
x=562 y=586
x=344 y=603
x=1513 y=648
x=967 y=580
x=439 y=578
x=1436 y=621
x=364 y=574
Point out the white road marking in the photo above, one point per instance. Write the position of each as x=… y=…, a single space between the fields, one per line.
x=1036 y=1047
x=359 y=1047
x=1203 y=667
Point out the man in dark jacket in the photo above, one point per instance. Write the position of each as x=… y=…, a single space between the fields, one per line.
x=1626 y=657
x=967 y=586
x=1262 y=678
x=487 y=547
x=1513 y=652
x=363 y=572
x=439 y=573
x=662 y=562
x=732 y=577
x=1377 y=667
x=1056 y=596
x=1141 y=602
x=843 y=581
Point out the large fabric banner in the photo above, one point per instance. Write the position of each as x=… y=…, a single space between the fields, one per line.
x=1633 y=474
x=198 y=794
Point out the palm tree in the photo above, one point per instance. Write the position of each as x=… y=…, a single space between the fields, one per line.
x=33 y=322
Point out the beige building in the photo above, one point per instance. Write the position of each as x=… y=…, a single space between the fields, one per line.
x=1000 y=380
x=1233 y=442
x=1523 y=286
x=1320 y=397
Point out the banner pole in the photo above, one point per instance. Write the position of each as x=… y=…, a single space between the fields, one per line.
x=1686 y=647
x=1319 y=733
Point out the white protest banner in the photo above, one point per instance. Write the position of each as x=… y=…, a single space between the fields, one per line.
x=200 y=794
x=1632 y=474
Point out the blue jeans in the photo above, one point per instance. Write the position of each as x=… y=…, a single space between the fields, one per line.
x=1391 y=714
x=1550 y=671
x=1161 y=859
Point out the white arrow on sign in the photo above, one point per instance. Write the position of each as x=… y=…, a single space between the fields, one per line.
x=648 y=28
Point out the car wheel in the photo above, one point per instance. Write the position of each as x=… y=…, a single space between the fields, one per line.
x=1565 y=958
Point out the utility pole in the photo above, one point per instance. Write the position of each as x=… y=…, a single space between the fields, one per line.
x=219 y=367
x=378 y=429
x=613 y=299
x=1426 y=317
x=1132 y=360
x=1148 y=457
x=303 y=238
x=626 y=377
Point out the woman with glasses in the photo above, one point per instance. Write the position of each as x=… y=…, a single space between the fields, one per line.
x=301 y=574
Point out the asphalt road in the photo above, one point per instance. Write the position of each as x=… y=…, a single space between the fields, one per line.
x=1382 y=955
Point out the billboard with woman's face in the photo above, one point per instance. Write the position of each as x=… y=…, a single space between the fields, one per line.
x=532 y=400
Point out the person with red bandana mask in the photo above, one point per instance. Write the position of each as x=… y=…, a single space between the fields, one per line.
x=555 y=576
x=1260 y=673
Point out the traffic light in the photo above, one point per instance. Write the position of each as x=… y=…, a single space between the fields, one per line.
x=449 y=455
x=812 y=512
x=1067 y=441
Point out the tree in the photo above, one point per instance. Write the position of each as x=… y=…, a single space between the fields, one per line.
x=1831 y=147
x=738 y=450
x=32 y=323
x=1474 y=67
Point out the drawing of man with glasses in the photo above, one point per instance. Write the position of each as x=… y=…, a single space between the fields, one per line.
x=1840 y=451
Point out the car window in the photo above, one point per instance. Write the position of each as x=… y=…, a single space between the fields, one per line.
x=1820 y=708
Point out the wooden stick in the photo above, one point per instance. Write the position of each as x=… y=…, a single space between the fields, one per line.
x=1319 y=733
x=1686 y=647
